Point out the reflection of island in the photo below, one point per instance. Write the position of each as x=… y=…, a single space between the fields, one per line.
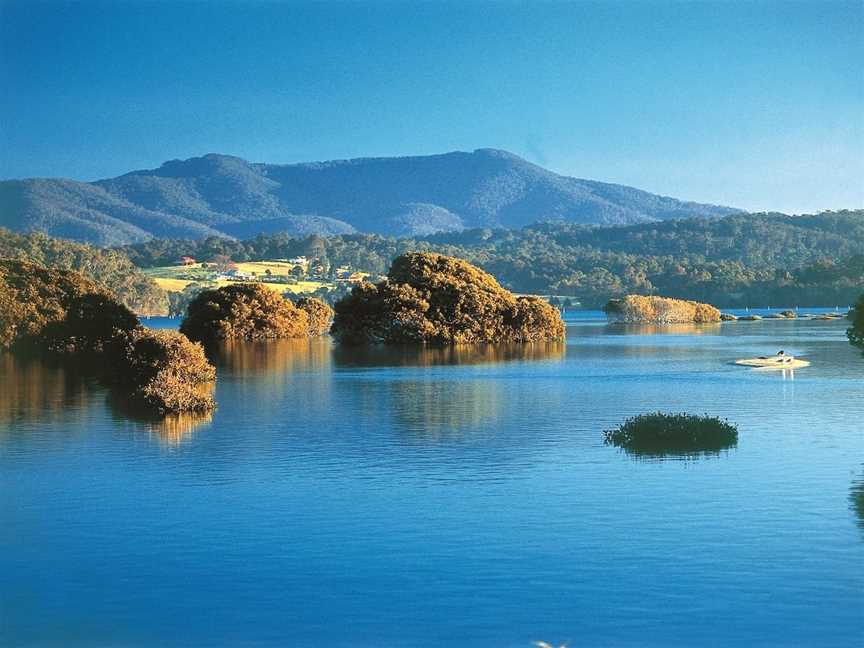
x=34 y=389
x=617 y=328
x=170 y=429
x=440 y=410
x=659 y=435
x=460 y=354
x=173 y=429
x=271 y=356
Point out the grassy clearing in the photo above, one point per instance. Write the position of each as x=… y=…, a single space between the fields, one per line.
x=176 y=278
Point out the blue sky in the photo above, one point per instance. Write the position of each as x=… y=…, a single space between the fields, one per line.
x=757 y=105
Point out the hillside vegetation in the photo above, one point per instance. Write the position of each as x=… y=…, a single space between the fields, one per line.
x=438 y=299
x=109 y=269
x=739 y=260
x=220 y=195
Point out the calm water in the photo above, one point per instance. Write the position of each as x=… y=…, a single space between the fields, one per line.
x=460 y=497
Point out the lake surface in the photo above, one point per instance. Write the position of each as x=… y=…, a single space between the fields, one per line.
x=444 y=497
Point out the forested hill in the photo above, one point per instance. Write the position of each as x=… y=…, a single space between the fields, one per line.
x=220 y=195
x=753 y=259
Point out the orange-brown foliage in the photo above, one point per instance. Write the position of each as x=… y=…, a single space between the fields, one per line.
x=660 y=310
x=434 y=298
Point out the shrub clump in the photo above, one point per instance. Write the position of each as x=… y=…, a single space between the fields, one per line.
x=163 y=371
x=638 y=309
x=320 y=315
x=438 y=299
x=251 y=312
x=57 y=311
x=658 y=434
x=856 y=332
x=61 y=313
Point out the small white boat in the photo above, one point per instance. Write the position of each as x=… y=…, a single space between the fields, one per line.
x=774 y=362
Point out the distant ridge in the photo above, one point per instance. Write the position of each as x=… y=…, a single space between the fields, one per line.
x=222 y=195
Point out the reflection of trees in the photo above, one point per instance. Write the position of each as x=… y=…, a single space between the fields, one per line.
x=33 y=389
x=437 y=410
x=663 y=329
x=171 y=429
x=660 y=453
x=271 y=356
x=174 y=428
x=460 y=354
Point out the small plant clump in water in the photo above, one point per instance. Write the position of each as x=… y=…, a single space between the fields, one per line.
x=252 y=312
x=432 y=298
x=164 y=372
x=658 y=434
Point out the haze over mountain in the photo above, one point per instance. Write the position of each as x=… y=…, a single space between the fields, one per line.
x=223 y=195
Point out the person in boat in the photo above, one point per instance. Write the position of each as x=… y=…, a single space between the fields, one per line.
x=781 y=357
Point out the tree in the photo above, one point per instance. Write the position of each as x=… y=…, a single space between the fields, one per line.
x=434 y=298
x=59 y=311
x=319 y=312
x=246 y=312
x=163 y=372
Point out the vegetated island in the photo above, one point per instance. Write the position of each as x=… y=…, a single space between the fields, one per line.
x=253 y=312
x=432 y=298
x=659 y=434
x=638 y=309
x=62 y=314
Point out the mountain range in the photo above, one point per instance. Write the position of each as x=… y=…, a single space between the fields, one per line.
x=222 y=195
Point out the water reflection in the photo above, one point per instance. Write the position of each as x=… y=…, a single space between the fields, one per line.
x=173 y=429
x=461 y=354
x=271 y=356
x=435 y=411
x=619 y=328
x=169 y=430
x=33 y=389
x=672 y=454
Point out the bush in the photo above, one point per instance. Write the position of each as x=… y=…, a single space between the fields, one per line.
x=659 y=434
x=245 y=312
x=320 y=314
x=60 y=311
x=856 y=332
x=433 y=298
x=163 y=371
x=660 y=310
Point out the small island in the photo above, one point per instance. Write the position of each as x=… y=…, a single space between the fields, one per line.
x=436 y=299
x=639 y=309
x=248 y=311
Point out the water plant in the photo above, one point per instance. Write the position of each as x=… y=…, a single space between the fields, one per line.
x=661 y=434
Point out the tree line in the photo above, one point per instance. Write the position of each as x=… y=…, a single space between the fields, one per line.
x=739 y=260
